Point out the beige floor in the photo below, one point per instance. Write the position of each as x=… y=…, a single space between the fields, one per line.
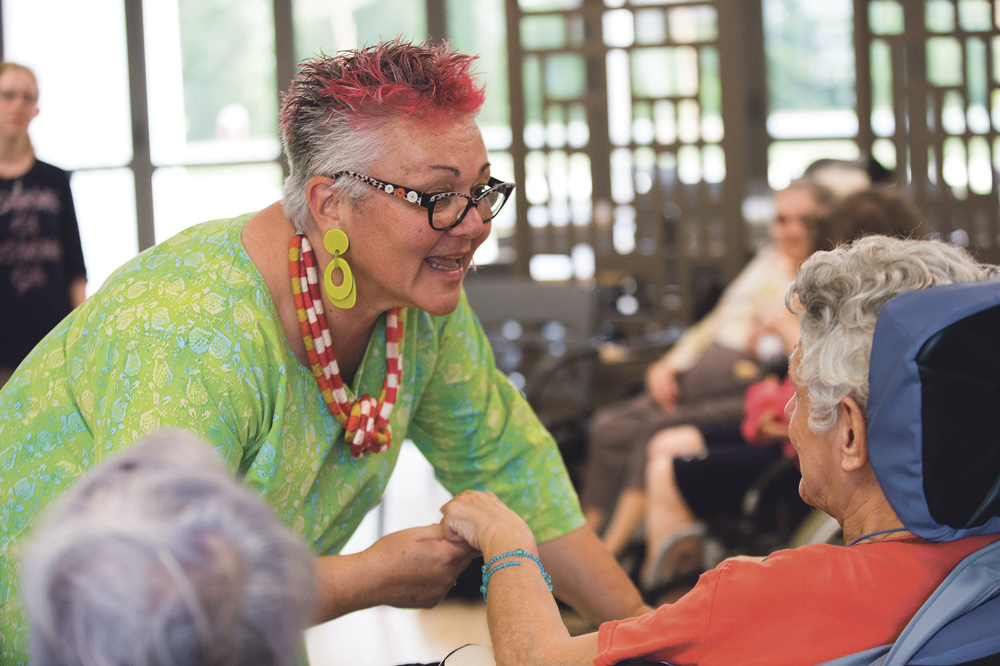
x=384 y=636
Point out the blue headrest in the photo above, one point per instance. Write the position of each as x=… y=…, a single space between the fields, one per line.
x=934 y=409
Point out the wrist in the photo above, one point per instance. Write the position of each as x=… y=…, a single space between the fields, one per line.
x=499 y=538
x=346 y=584
x=511 y=558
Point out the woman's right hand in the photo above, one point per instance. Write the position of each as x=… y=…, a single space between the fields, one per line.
x=419 y=566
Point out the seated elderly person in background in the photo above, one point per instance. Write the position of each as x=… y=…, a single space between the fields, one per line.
x=702 y=379
x=159 y=556
x=827 y=601
x=882 y=210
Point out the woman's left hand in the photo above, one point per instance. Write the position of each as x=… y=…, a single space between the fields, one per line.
x=479 y=518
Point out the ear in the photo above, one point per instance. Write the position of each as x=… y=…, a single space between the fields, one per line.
x=853 y=435
x=324 y=202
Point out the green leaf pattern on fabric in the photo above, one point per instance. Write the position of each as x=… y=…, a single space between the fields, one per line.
x=186 y=336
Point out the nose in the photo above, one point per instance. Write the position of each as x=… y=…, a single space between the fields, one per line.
x=471 y=226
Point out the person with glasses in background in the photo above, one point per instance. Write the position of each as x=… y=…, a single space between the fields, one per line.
x=307 y=340
x=42 y=274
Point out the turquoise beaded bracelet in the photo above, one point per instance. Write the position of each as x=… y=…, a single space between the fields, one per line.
x=489 y=569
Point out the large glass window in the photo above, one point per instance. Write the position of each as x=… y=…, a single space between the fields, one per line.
x=212 y=100
x=188 y=195
x=810 y=80
x=211 y=79
x=105 y=208
x=322 y=26
x=212 y=96
x=79 y=61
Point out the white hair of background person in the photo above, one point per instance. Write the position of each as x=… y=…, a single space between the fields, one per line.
x=838 y=296
x=158 y=557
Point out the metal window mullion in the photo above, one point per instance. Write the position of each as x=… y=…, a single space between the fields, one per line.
x=862 y=77
x=437 y=19
x=284 y=58
x=142 y=163
x=518 y=151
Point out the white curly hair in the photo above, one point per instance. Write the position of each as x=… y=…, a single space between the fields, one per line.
x=838 y=295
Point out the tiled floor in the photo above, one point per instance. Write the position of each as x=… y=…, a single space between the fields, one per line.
x=386 y=636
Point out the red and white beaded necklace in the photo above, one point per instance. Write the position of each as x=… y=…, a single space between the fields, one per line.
x=366 y=421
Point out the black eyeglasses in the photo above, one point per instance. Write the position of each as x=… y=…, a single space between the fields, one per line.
x=445 y=210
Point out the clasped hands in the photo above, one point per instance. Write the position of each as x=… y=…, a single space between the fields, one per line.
x=417 y=567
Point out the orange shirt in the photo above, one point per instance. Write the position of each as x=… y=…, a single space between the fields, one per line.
x=798 y=607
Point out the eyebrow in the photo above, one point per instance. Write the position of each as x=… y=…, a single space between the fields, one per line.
x=454 y=170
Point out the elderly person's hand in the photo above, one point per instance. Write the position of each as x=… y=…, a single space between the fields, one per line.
x=479 y=518
x=661 y=383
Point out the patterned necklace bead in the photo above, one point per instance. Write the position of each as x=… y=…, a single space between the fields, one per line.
x=366 y=421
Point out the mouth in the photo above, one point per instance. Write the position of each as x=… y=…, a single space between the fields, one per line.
x=452 y=265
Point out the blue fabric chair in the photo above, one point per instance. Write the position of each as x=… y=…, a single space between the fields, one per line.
x=934 y=443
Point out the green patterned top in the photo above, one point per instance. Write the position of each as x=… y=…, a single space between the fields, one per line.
x=186 y=335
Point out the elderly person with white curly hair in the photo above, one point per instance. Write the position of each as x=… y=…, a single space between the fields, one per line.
x=160 y=557
x=872 y=315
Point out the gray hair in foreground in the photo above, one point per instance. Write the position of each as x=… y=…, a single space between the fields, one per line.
x=838 y=296
x=158 y=557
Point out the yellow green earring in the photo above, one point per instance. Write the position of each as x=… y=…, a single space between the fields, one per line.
x=345 y=294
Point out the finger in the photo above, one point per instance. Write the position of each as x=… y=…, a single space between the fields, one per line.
x=451 y=535
x=464 y=548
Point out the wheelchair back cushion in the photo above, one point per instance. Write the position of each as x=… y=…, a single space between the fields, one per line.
x=934 y=409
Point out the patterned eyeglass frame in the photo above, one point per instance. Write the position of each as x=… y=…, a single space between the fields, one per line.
x=428 y=200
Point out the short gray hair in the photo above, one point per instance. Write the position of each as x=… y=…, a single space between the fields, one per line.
x=839 y=296
x=158 y=557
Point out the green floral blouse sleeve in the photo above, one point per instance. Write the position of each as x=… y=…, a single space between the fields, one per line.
x=174 y=342
x=479 y=432
x=171 y=349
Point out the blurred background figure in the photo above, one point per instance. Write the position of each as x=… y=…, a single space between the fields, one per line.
x=880 y=210
x=159 y=556
x=42 y=275
x=701 y=381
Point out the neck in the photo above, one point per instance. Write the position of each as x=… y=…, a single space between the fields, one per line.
x=870 y=518
x=16 y=156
